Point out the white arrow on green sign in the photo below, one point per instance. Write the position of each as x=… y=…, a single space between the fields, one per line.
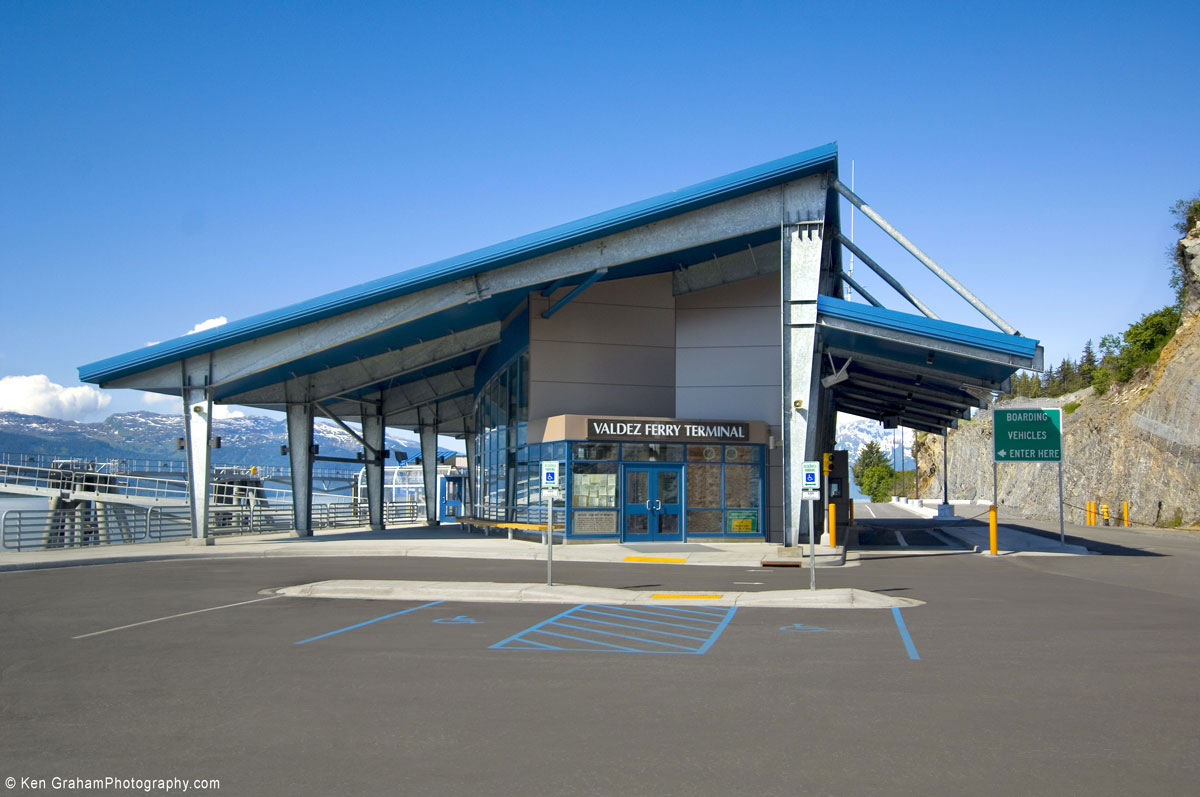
x=1028 y=435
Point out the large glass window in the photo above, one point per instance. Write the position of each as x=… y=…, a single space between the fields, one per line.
x=500 y=415
x=594 y=485
x=704 y=486
x=651 y=452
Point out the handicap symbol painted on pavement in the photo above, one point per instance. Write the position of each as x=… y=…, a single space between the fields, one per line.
x=801 y=627
x=462 y=619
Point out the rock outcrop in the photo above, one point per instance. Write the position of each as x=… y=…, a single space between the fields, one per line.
x=1139 y=442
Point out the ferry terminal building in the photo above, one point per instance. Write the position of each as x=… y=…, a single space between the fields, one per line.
x=680 y=357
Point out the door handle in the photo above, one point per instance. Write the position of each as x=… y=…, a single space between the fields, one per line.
x=657 y=505
x=648 y=505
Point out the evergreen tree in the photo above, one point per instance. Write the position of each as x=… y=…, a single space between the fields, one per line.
x=870 y=456
x=877 y=481
x=1087 y=363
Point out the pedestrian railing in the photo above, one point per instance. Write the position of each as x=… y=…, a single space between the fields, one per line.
x=121 y=524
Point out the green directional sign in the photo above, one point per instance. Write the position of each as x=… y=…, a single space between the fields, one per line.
x=1029 y=435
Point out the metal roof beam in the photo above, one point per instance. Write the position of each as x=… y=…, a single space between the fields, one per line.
x=924 y=342
x=846 y=278
x=371 y=371
x=902 y=420
x=408 y=396
x=932 y=393
x=945 y=276
x=900 y=407
x=886 y=277
x=452 y=414
x=753 y=261
x=591 y=280
x=950 y=379
x=932 y=408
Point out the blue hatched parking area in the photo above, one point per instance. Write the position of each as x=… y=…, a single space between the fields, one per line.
x=589 y=628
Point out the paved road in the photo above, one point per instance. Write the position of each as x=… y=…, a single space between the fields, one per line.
x=1072 y=677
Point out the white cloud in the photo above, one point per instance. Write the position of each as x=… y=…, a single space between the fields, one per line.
x=152 y=399
x=223 y=411
x=37 y=395
x=211 y=323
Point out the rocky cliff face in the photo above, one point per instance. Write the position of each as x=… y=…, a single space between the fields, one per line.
x=1139 y=442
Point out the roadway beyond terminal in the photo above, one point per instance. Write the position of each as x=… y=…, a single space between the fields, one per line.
x=1038 y=674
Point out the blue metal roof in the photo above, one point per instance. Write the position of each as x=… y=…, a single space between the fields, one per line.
x=563 y=236
x=950 y=332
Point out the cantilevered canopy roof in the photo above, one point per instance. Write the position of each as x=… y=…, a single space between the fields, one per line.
x=909 y=370
x=415 y=338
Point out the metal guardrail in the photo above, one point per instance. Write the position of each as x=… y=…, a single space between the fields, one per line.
x=117 y=524
x=35 y=480
x=165 y=466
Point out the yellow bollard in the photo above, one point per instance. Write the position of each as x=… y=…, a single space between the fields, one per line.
x=992 y=529
x=833 y=525
x=1126 y=509
x=1104 y=512
x=1091 y=514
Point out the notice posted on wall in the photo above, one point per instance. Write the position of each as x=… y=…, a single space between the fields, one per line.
x=590 y=522
x=742 y=521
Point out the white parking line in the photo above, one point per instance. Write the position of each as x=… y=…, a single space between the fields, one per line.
x=900 y=539
x=173 y=616
x=867 y=507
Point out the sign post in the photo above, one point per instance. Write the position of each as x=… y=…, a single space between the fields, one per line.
x=811 y=491
x=1030 y=435
x=550 y=490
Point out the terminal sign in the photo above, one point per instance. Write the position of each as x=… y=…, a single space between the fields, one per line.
x=668 y=430
x=1028 y=435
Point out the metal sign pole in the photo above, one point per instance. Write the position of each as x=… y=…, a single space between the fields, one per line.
x=549 y=538
x=812 y=551
x=1062 y=534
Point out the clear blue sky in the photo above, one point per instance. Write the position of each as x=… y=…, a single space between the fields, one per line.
x=167 y=163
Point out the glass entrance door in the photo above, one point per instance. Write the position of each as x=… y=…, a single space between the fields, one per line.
x=653 y=500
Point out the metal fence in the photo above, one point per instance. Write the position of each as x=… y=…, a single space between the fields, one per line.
x=122 y=524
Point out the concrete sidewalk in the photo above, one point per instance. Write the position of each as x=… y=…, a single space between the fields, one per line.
x=504 y=592
x=442 y=541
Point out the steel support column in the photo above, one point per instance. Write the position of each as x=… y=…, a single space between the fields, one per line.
x=197 y=427
x=800 y=277
x=373 y=435
x=300 y=440
x=427 y=420
x=472 y=474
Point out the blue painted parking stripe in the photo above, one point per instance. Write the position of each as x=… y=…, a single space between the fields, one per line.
x=512 y=638
x=368 y=622
x=641 y=628
x=590 y=642
x=720 y=629
x=628 y=636
x=908 y=643
x=660 y=614
x=580 y=625
x=682 y=610
x=705 y=631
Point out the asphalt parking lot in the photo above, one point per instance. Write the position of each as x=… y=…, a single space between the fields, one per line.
x=1047 y=676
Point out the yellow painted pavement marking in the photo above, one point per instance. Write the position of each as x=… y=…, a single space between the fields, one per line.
x=671 y=596
x=676 y=560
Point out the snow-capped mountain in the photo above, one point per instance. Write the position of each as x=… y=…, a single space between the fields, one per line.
x=853 y=433
x=248 y=440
